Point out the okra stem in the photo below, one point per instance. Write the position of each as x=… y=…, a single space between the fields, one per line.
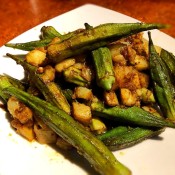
x=64 y=125
x=49 y=32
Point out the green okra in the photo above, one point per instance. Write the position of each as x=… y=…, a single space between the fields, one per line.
x=114 y=132
x=130 y=137
x=15 y=82
x=28 y=46
x=51 y=91
x=93 y=38
x=131 y=115
x=49 y=32
x=68 y=93
x=169 y=60
x=102 y=59
x=162 y=82
x=45 y=41
x=65 y=126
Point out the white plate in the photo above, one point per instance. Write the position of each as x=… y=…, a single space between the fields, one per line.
x=19 y=157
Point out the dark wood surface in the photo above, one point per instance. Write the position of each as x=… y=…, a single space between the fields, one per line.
x=17 y=16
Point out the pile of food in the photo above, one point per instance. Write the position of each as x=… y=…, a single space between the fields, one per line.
x=95 y=89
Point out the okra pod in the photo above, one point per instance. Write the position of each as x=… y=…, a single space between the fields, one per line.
x=65 y=126
x=131 y=115
x=93 y=38
x=31 y=45
x=28 y=46
x=162 y=82
x=114 y=132
x=102 y=59
x=131 y=137
x=169 y=60
x=51 y=91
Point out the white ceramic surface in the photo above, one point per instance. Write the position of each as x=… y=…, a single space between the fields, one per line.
x=19 y=157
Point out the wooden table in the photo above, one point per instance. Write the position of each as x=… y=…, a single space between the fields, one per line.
x=17 y=16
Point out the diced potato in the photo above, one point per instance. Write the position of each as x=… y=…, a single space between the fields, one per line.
x=64 y=64
x=110 y=98
x=36 y=57
x=45 y=135
x=144 y=80
x=141 y=63
x=81 y=112
x=128 y=97
x=119 y=60
x=83 y=93
x=115 y=50
x=19 y=111
x=127 y=77
x=130 y=54
x=97 y=126
x=48 y=74
x=24 y=130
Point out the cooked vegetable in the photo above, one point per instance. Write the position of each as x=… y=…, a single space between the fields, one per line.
x=87 y=145
x=49 y=32
x=94 y=38
x=169 y=60
x=163 y=87
x=131 y=115
x=104 y=68
x=44 y=83
x=28 y=46
x=71 y=104
x=78 y=74
x=126 y=138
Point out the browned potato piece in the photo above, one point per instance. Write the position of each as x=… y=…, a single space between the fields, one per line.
x=24 y=130
x=48 y=74
x=128 y=97
x=36 y=57
x=127 y=77
x=110 y=98
x=81 y=112
x=144 y=80
x=45 y=136
x=64 y=64
x=83 y=93
x=19 y=111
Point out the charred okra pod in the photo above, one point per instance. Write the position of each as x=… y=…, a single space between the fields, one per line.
x=128 y=137
x=131 y=115
x=51 y=91
x=162 y=82
x=65 y=126
x=93 y=38
x=102 y=59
